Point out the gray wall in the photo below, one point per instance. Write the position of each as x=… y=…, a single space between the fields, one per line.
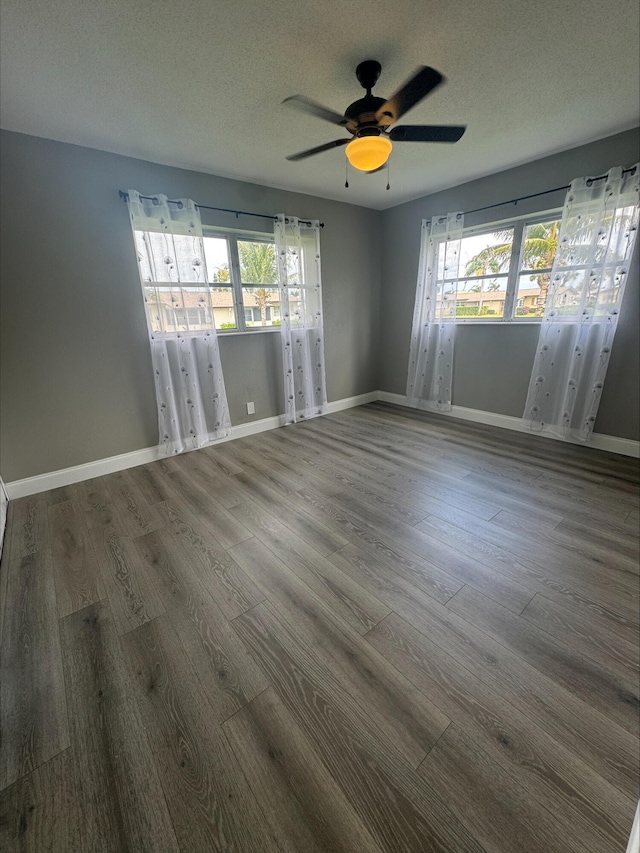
x=492 y=363
x=76 y=372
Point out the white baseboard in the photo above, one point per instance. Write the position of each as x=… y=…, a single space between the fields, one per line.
x=352 y=402
x=611 y=443
x=78 y=473
x=4 y=505
x=252 y=428
x=634 y=838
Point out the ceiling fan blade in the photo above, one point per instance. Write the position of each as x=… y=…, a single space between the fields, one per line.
x=426 y=133
x=318 y=150
x=423 y=81
x=306 y=105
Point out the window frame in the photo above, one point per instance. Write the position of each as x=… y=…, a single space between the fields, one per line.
x=232 y=236
x=519 y=225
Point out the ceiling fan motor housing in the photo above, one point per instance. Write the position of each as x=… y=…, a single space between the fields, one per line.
x=361 y=115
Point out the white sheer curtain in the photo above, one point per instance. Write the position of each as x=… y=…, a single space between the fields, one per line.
x=298 y=250
x=430 y=373
x=190 y=392
x=595 y=244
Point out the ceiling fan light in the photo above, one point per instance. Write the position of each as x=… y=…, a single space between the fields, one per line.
x=368 y=152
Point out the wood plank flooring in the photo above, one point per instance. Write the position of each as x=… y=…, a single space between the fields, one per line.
x=379 y=630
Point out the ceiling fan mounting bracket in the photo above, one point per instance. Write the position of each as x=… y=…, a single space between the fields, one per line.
x=367 y=73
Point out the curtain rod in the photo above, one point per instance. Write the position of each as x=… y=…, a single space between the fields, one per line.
x=124 y=196
x=544 y=192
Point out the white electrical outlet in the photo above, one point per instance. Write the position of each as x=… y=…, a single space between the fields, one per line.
x=251 y=408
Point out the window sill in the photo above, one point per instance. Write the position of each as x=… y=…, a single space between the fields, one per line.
x=535 y=322
x=224 y=333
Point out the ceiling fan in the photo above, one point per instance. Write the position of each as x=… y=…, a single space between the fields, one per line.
x=368 y=119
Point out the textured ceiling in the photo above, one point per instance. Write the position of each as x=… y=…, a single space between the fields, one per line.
x=199 y=83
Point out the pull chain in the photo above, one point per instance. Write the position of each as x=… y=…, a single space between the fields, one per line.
x=346 y=173
x=388 y=168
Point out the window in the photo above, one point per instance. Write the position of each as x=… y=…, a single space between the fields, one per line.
x=216 y=253
x=177 y=299
x=539 y=243
x=503 y=273
x=243 y=273
x=242 y=292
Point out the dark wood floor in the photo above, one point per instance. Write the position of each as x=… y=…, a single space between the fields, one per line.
x=375 y=631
